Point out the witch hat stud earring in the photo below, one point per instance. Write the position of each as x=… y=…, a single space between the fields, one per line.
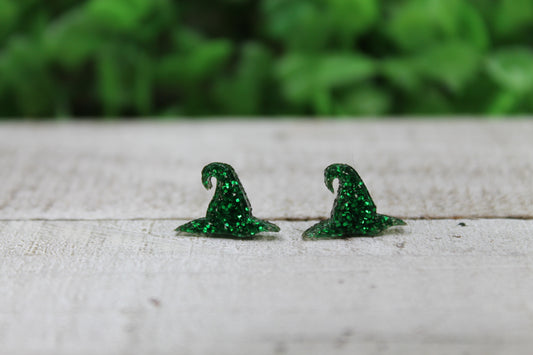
x=229 y=213
x=354 y=212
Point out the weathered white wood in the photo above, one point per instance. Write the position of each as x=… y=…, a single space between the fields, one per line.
x=134 y=287
x=123 y=286
x=469 y=168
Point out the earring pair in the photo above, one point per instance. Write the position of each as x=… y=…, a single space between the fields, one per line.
x=229 y=213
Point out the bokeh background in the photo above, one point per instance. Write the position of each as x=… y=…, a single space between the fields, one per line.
x=335 y=58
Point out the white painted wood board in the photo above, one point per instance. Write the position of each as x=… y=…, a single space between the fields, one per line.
x=89 y=262
x=442 y=168
x=134 y=287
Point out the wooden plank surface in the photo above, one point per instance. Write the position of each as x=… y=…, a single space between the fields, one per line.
x=133 y=287
x=152 y=170
x=90 y=264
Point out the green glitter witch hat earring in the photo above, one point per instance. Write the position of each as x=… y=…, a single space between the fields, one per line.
x=354 y=212
x=229 y=213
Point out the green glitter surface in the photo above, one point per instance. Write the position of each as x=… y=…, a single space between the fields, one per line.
x=229 y=213
x=354 y=212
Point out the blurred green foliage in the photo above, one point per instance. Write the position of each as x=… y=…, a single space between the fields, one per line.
x=66 y=58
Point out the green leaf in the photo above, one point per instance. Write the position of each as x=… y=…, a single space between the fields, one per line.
x=143 y=82
x=110 y=86
x=8 y=15
x=350 y=18
x=401 y=74
x=312 y=25
x=123 y=15
x=513 y=16
x=307 y=79
x=429 y=101
x=512 y=68
x=472 y=27
x=452 y=64
x=417 y=24
x=336 y=70
x=72 y=41
x=26 y=79
x=196 y=63
x=253 y=72
x=364 y=101
x=299 y=24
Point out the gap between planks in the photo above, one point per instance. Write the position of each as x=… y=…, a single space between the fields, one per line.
x=280 y=219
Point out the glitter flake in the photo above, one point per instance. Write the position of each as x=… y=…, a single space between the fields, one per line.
x=229 y=213
x=354 y=212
